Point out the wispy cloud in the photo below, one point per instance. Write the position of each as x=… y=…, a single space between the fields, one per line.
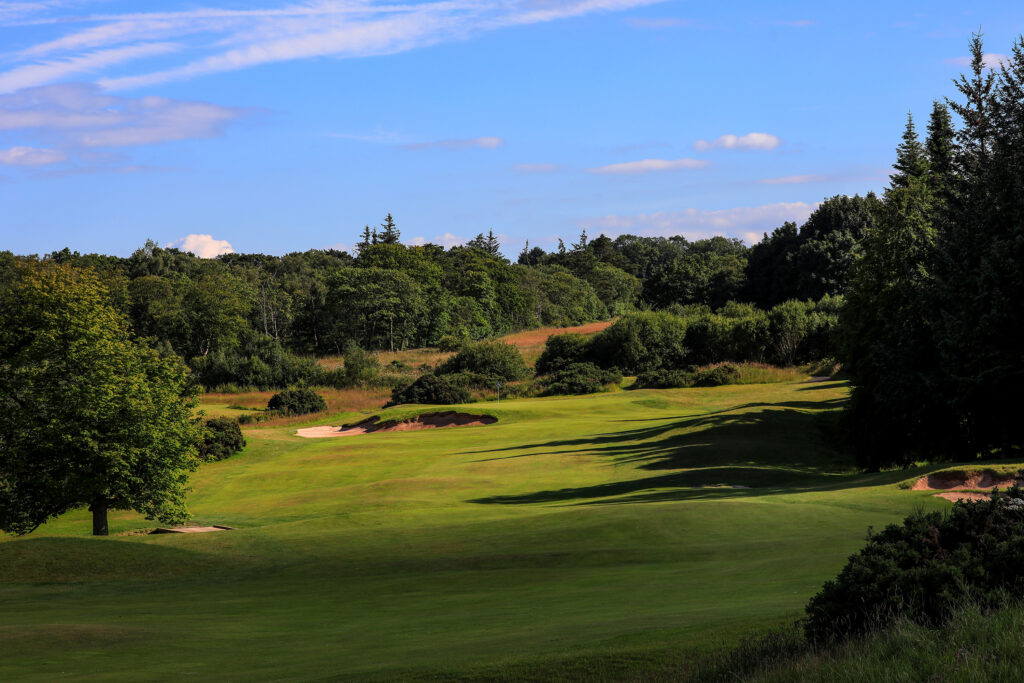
x=992 y=60
x=457 y=143
x=30 y=75
x=203 y=246
x=31 y=156
x=536 y=168
x=447 y=240
x=74 y=118
x=650 y=166
x=746 y=222
x=764 y=141
x=219 y=40
x=792 y=180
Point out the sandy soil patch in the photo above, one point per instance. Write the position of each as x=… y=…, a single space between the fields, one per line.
x=448 y=418
x=966 y=481
x=970 y=496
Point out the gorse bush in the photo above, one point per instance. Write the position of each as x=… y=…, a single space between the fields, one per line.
x=494 y=360
x=432 y=389
x=299 y=401
x=640 y=342
x=925 y=568
x=222 y=438
x=579 y=378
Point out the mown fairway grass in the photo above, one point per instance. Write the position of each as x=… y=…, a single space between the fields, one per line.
x=585 y=536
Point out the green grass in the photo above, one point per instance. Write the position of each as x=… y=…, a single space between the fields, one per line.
x=613 y=535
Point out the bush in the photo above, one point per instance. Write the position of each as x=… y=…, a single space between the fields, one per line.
x=222 y=438
x=665 y=379
x=361 y=367
x=579 y=378
x=561 y=351
x=433 y=389
x=450 y=342
x=926 y=568
x=717 y=376
x=300 y=401
x=495 y=360
x=640 y=342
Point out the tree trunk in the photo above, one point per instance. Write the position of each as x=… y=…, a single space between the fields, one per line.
x=99 y=518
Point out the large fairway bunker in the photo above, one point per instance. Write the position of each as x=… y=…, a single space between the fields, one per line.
x=449 y=418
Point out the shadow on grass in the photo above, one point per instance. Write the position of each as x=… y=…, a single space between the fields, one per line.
x=818 y=386
x=750 y=450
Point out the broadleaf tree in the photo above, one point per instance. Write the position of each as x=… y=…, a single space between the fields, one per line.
x=92 y=417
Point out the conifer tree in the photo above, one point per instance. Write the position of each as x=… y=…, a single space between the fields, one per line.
x=390 y=234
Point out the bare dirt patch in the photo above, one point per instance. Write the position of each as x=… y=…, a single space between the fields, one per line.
x=967 y=480
x=448 y=418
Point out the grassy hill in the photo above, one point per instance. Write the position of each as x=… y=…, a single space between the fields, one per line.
x=609 y=535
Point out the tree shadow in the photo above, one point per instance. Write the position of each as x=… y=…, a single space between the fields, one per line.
x=818 y=386
x=749 y=450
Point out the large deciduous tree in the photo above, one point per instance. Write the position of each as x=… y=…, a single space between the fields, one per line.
x=91 y=417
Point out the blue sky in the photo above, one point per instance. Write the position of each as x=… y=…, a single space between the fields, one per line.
x=283 y=126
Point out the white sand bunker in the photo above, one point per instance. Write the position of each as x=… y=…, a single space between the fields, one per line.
x=448 y=418
x=191 y=529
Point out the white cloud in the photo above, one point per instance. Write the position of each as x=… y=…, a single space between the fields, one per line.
x=650 y=165
x=219 y=40
x=764 y=141
x=76 y=117
x=459 y=143
x=203 y=246
x=30 y=75
x=698 y=223
x=536 y=168
x=792 y=180
x=31 y=156
x=992 y=60
x=447 y=240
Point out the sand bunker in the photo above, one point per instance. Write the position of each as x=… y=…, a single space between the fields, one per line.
x=191 y=529
x=969 y=480
x=970 y=496
x=448 y=418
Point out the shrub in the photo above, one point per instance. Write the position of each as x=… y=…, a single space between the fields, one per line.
x=579 y=378
x=495 y=360
x=450 y=342
x=561 y=351
x=361 y=367
x=222 y=438
x=640 y=342
x=925 y=568
x=433 y=389
x=300 y=401
x=717 y=376
x=665 y=379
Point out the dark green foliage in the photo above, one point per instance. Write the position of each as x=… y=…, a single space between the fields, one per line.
x=639 y=342
x=925 y=568
x=449 y=342
x=432 y=389
x=560 y=351
x=717 y=376
x=579 y=378
x=298 y=401
x=665 y=379
x=361 y=367
x=222 y=438
x=495 y=360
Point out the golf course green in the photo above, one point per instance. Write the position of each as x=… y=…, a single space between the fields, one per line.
x=612 y=535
